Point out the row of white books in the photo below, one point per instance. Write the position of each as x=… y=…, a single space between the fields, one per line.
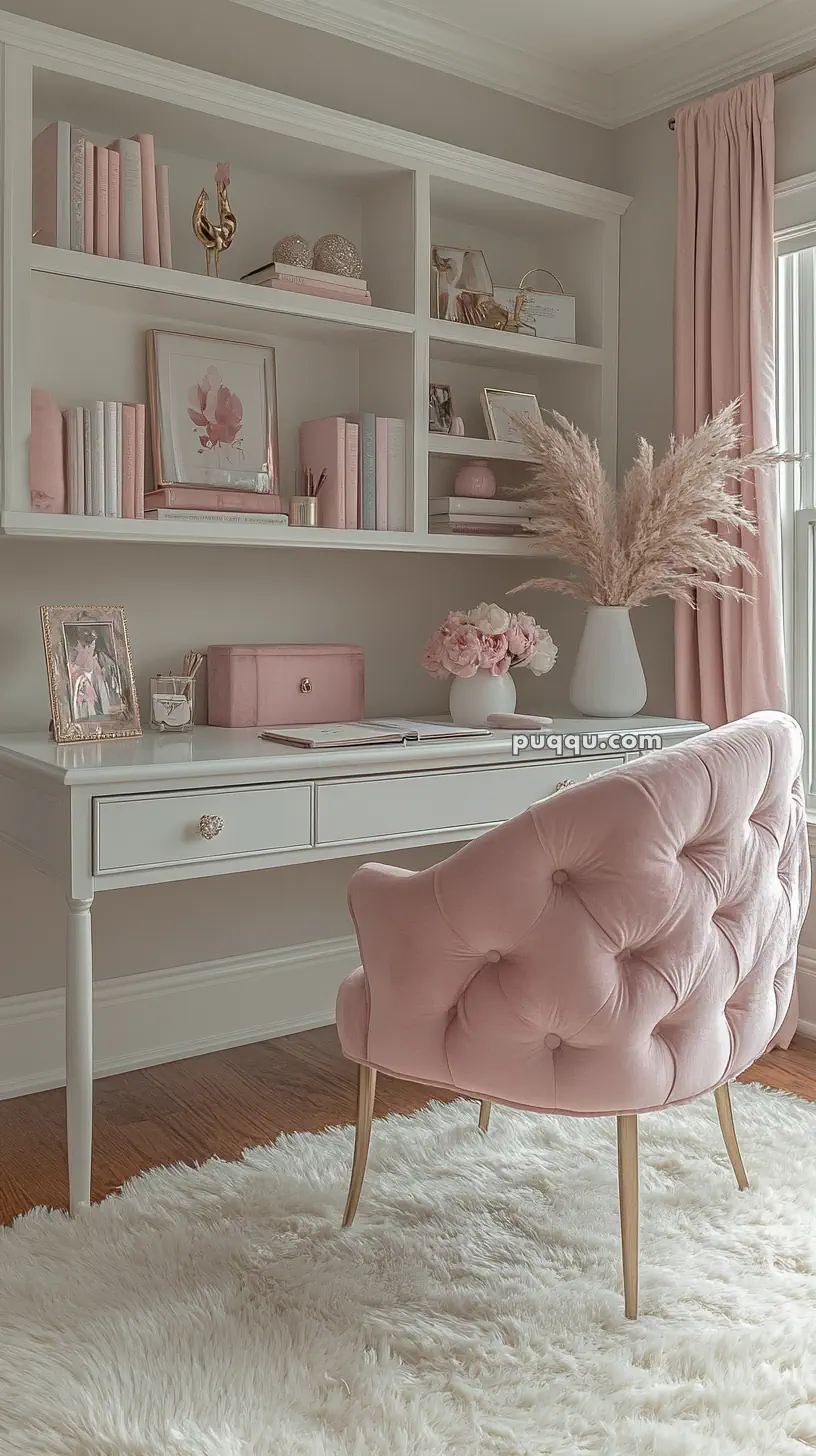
x=105 y=457
x=113 y=201
x=475 y=516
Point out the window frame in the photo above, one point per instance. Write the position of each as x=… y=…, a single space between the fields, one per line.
x=795 y=294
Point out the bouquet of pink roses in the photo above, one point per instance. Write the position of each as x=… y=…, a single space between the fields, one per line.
x=488 y=639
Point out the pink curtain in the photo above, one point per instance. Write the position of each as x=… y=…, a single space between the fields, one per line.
x=729 y=656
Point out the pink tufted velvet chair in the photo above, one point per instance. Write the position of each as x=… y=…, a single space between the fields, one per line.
x=621 y=947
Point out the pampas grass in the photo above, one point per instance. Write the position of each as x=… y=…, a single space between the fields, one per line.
x=653 y=537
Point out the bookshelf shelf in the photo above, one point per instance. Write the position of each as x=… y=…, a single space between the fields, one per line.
x=73 y=323
x=197 y=533
x=211 y=301
x=469 y=447
x=462 y=343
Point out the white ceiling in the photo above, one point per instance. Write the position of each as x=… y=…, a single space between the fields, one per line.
x=607 y=61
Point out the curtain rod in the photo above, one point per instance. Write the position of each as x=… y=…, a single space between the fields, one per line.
x=778 y=76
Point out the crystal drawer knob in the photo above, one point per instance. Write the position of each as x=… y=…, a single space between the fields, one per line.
x=210 y=825
x=565 y=784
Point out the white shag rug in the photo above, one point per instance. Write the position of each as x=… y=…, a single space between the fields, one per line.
x=475 y=1307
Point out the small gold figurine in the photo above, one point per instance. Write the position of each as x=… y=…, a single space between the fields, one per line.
x=215 y=236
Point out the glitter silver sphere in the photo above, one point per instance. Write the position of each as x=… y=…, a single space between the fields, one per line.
x=333 y=254
x=293 y=249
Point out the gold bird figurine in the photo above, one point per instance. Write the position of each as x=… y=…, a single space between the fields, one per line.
x=215 y=236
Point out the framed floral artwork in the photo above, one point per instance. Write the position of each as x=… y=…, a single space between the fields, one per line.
x=90 y=674
x=213 y=412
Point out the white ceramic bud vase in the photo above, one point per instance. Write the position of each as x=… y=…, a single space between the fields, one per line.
x=608 y=681
x=472 y=698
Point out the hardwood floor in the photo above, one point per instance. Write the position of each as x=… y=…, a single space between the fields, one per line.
x=226 y=1101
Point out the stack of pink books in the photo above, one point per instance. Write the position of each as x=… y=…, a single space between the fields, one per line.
x=310 y=280
x=113 y=201
x=362 y=464
x=105 y=459
x=206 y=503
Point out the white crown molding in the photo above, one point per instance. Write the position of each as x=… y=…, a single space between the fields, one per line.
x=498 y=64
x=768 y=39
x=93 y=59
x=771 y=37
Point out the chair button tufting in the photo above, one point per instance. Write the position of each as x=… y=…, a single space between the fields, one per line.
x=552 y=1040
x=559 y=876
x=493 y=955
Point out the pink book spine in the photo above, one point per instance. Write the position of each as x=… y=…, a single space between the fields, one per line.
x=139 y=462
x=380 y=473
x=206 y=498
x=45 y=182
x=101 y=208
x=323 y=447
x=90 y=194
x=352 y=453
x=163 y=205
x=150 y=210
x=129 y=461
x=113 y=204
x=319 y=290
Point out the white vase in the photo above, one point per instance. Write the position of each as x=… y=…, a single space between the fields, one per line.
x=472 y=698
x=607 y=680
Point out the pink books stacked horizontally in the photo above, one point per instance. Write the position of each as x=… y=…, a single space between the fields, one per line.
x=105 y=459
x=206 y=503
x=310 y=280
x=113 y=201
x=362 y=462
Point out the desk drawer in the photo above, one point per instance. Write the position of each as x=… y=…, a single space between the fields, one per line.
x=151 y=830
x=358 y=810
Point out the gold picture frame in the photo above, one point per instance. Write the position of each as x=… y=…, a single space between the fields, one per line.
x=501 y=407
x=90 y=674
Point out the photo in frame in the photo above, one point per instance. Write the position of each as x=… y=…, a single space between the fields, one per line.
x=502 y=408
x=213 y=412
x=90 y=674
x=440 y=409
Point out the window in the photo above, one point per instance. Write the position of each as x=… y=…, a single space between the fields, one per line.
x=796 y=403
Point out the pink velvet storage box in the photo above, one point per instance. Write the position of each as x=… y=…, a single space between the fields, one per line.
x=260 y=686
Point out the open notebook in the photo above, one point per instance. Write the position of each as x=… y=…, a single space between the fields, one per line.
x=371 y=731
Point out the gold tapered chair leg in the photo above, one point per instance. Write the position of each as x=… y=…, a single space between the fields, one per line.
x=366 y=1087
x=722 y=1097
x=628 y=1194
x=484 y=1115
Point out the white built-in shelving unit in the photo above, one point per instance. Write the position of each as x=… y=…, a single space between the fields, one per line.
x=74 y=324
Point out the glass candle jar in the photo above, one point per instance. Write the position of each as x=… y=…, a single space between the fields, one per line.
x=172 y=703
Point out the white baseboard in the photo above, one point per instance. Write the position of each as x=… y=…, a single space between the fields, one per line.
x=806 y=980
x=162 y=1016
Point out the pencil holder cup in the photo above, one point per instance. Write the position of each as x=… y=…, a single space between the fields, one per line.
x=303 y=510
x=172 y=703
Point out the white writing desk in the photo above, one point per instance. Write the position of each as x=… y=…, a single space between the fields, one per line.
x=103 y=816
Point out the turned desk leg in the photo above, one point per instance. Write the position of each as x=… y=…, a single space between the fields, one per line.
x=79 y=1052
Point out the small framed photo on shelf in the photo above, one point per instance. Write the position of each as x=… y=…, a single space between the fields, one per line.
x=440 y=409
x=90 y=674
x=503 y=408
x=213 y=412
